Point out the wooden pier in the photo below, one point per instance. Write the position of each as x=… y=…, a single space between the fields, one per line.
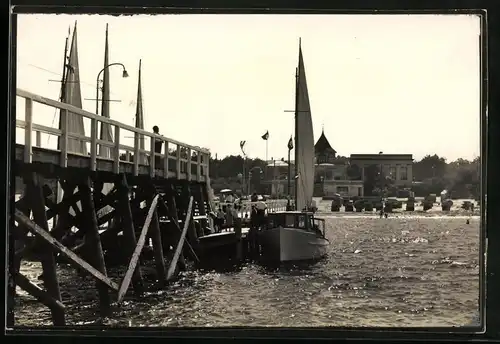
x=160 y=198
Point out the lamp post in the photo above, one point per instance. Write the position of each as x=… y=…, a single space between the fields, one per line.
x=124 y=75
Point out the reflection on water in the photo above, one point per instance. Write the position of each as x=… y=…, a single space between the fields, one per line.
x=401 y=271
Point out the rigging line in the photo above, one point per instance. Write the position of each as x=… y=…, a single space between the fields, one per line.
x=59 y=74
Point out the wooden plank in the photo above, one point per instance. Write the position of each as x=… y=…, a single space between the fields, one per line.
x=93 y=144
x=93 y=241
x=28 y=117
x=173 y=213
x=47 y=258
x=41 y=295
x=135 y=257
x=178 y=250
x=56 y=245
x=129 y=231
x=157 y=249
x=176 y=224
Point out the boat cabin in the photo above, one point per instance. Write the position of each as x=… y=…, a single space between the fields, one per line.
x=296 y=219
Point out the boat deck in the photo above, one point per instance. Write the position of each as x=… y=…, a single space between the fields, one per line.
x=230 y=231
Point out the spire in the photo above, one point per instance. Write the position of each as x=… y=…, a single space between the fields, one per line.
x=105 y=134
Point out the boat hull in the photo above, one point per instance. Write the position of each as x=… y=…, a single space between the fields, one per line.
x=291 y=244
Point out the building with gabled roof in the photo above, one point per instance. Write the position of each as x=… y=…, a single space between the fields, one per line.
x=323 y=151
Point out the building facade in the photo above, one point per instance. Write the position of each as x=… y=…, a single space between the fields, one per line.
x=331 y=174
x=397 y=166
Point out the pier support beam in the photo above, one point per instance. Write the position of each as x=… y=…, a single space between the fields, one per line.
x=35 y=193
x=93 y=240
x=155 y=235
x=174 y=218
x=127 y=223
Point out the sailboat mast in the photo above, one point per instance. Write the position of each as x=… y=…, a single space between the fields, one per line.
x=296 y=178
x=63 y=79
x=63 y=84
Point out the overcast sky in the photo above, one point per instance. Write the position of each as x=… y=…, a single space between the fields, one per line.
x=398 y=84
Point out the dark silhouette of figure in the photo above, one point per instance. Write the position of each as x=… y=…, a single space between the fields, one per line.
x=158 y=145
x=254 y=197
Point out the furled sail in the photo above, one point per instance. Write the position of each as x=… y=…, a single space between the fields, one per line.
x=106 y=134
x=139 y=118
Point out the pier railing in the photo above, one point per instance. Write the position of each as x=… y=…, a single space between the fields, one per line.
x=246 y=207
x=178 y=159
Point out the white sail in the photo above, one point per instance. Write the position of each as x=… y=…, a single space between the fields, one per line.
x=73 y=96
x=304 y=154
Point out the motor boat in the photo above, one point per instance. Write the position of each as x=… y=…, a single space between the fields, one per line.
x=293 y=236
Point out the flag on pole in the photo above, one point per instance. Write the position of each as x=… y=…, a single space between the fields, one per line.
x=242 y=145
x=265 y=136
x=290 y=143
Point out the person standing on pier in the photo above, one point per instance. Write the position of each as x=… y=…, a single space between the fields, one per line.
x=158 y=145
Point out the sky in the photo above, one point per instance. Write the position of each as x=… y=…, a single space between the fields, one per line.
x=400 y=84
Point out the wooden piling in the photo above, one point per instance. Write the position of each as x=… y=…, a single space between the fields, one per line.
x=191 y=231
x=63 y=218
x=239 y=241
x=47 y=258
x=137 y=252
x=174 y=218
x=94 y=242
x=180 y=244
x=175 y=224
x=127 y=222
x=55 y=306
x=73 y=259
x=155 y=235
x=11 y=282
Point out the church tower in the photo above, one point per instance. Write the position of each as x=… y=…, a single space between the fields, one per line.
x=323 y=151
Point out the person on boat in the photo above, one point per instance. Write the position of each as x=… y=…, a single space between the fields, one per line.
x=261 y=212
x=230 y=216
x=254 y=197
x=230 y=198
x=220 y=220
x=158 y=145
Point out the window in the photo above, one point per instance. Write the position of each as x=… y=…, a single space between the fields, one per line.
x=342 y=189
x=392 y=172
x=403 y=173
x=302 y=221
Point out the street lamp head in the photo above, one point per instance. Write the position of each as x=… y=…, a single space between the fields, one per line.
x=125 y=74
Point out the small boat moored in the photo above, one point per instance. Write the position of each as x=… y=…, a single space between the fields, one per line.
x=293 y=236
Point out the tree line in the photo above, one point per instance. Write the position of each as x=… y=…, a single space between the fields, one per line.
x=431 y=174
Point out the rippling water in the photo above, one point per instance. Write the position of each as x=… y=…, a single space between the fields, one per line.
x=407 y=270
